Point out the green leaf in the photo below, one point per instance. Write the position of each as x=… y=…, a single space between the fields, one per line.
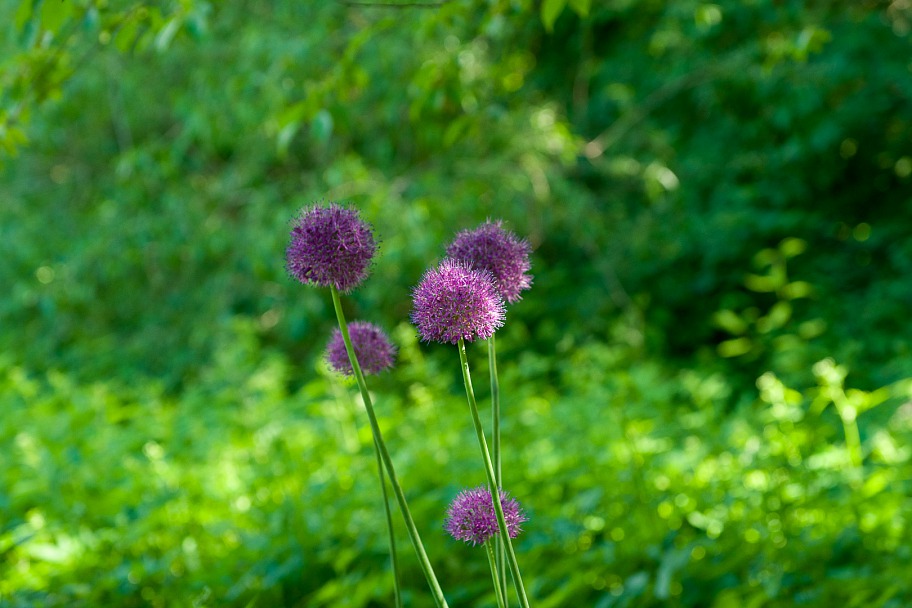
x=91 y=19
x=761 y=284
x=707 y=15
x=23 y=15
x=798 y=289
x=321 y=127
x=550 y=10
x=791 y=247
x=730 y=322
x=454 y=131
x=286 y=134
x=811 y=329
x=164 y=38
x=581 y=7
x=765 y=257
x=864 y=400
x=126 y=36
x=735 y=348
x=55 y=14
x=778 y=316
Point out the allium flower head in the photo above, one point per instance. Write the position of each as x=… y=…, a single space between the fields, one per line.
x=454 y=301
x=330 y=246
x=471 y=517
x=491 y=247
x=373 y=348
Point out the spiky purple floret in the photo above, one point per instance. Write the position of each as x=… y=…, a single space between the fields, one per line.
x=372 y=346
x=455 y=301
x=330 y=246
x=471 y=517
x=493 y=248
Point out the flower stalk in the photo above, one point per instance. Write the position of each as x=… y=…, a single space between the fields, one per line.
x=501 y=567
x=491 y=247
x=415 y=538
x=492 y=483
x=489 y=549
x=394 y=557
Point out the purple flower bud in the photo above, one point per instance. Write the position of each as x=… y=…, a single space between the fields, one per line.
x=330 y=246
x=471 y=517
x=372 y=346
x=490 y=247
x=454 y=301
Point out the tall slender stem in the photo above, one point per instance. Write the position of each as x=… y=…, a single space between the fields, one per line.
x=495 y=409
x=489 y=549
x=498 y=474
x=423 y=560
x=492 y=484
x=394 y=557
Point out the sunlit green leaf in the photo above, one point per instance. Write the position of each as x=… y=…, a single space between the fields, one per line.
x=730 y=321
x=792 y=247
x=54 y=14
x=707 y=15
x=736 y=347
x=778 y=316
x=762 y=284
x=550 y=10
x=166 y=35
x=581 y=7
x=798 y=289
x=23 y=15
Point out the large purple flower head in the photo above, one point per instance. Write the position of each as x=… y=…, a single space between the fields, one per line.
x=471 y=517
x=491 y=247
x=330 y=246
x=373 y=348
x=455 y=301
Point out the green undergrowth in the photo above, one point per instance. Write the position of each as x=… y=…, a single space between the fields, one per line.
x=254 y=489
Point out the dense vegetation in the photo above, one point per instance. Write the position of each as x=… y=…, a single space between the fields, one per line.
x=708 y=390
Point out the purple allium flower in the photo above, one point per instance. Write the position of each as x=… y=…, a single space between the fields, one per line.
x=373 y=348
x=471 y=517
x=491 y=247
x=330 y=246
x=454 y=301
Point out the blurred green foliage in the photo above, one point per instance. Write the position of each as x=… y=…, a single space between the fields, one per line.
x=706 y=389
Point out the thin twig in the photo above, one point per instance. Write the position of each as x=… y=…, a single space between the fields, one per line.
x=397 y=5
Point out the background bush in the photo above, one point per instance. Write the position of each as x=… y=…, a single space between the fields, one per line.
x=704 y=389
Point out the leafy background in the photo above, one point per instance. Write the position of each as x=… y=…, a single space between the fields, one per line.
x=708 y=390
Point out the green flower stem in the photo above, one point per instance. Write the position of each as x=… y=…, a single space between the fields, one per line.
x=394 y=557
x=423 y=560
x=492 y=484
x=495 y=409
x=498 y=474
x=489 y=549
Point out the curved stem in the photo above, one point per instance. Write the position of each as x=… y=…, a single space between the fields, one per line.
x=489 y=471
x=489 y=549
x=423 y=560
x=498 y=474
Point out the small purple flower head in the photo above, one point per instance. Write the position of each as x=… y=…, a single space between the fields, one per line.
x=454 y=301
x=493 y=248
x=373 y=348
x=471 y=517
x=330 y=246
